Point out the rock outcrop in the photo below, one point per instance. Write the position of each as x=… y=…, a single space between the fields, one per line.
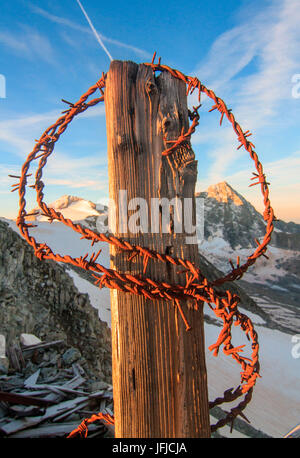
x=229 y=216
x=40 y=298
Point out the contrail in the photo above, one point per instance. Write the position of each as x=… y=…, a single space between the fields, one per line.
x=94 y=31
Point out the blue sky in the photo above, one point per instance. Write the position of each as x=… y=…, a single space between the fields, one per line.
x=247 y=51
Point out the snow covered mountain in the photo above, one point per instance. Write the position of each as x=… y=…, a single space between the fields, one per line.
x=231 y=224
x=72 y=207
x=230 y=217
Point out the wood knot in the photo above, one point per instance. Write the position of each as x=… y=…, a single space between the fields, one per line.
x=167 y=124
x=150 y=87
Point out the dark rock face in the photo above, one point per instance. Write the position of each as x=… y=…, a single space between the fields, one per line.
x=228 y=215
x=40 y=298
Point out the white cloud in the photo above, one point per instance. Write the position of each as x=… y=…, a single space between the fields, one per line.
x=73 y=25
x=283 y=175
x=284 y=190
x=20 y=132
x=11 y=41
x=268 y=40
x=17 y=136
x=78 y=173
x=264 y=92
x=28 y=43
x=228 y=55
x=62 y=171
x=272 y=37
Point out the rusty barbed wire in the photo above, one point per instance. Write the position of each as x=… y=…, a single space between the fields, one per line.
x=197 y=287
x=82 y=429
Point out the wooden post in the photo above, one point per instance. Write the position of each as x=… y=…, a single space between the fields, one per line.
x=159 y=372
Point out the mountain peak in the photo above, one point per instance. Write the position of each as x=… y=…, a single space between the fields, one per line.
x=223 y=192
x=72 y=207
x=66 y=200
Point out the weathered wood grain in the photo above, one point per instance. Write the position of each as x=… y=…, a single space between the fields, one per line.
x=159 y=372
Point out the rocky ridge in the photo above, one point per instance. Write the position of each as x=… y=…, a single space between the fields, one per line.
x=40 y=298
